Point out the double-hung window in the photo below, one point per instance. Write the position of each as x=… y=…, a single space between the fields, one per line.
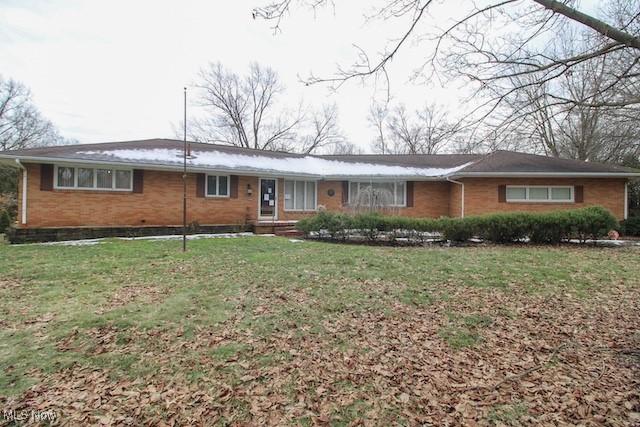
x=218 y=185
x=540 y=193
x=385 y=193
x=300 y=195
x=93 y=178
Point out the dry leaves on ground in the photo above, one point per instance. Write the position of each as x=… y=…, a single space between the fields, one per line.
x=522 y=359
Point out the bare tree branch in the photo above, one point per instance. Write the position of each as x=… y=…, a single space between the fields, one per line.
x=591 y=22
x=245 y=111
x=325 y=131
x=476 y=47
x=21 y=124
x=426 y=131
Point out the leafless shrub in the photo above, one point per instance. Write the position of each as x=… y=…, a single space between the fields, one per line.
x=372 y=199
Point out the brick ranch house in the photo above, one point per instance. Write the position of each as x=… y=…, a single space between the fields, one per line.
x=136 y=187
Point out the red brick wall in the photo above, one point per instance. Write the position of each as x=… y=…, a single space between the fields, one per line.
x=431 y=199
x=160 y=203
x=455 y=200
x=481 y=195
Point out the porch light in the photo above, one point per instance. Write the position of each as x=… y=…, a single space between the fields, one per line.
x=249 y=190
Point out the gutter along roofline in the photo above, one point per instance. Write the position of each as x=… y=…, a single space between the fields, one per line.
x=545 y=175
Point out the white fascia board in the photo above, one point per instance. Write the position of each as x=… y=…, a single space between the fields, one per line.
x=382 y=178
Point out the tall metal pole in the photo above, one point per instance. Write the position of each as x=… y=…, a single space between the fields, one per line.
x=184 y=179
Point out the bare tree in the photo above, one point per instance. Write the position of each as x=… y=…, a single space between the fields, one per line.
x=345 y=148
x=245 y=111
x=531 y=120
x=491 y=42
x=424 y=131
x=324 y=130
x=21 y=124
x=377 y=119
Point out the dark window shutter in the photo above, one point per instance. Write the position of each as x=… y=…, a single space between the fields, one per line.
x=233 y=192
x=578 y=193
x=345 y=192
x=409 y=194
x=502 y=193
x=200 y=179
x=46 y=177
x=138 y=180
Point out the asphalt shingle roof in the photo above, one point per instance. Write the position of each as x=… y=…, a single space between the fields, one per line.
x=501 y=162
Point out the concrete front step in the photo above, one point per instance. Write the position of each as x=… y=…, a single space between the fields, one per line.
x=274 y=228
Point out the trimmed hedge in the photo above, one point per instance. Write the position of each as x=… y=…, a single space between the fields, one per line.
x=5 y=221
x=630 y=226
x=553 y=227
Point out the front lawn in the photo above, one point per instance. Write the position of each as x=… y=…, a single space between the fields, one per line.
x=264 y=330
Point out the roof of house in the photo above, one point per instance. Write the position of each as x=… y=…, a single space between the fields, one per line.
x=514 y=162
x=168 y=154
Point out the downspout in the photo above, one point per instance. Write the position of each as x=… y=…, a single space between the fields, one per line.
x=462 y=201
x=23 y=219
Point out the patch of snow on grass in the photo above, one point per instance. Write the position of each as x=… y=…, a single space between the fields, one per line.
x=86 y=242
x=190 y=236
x=89 y=242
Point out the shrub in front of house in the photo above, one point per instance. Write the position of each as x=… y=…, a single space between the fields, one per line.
x=5 y=221
x=591 y=223
x=503 y=227
x=631 y=226
x=458 y=229
x=369 y=224
x=553 y=227
x=336 y=225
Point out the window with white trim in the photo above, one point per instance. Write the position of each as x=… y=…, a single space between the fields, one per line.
x=300 y=195
x=540 y=193
x=387 y=193
x=218 y=185
x=92 y=178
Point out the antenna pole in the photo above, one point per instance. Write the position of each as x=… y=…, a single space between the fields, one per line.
x=184 y=179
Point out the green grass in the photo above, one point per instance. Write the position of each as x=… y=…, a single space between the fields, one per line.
x=507 y=414
x=136 y=308
x=458 y=337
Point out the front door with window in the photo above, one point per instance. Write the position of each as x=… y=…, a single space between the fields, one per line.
x=268 y=199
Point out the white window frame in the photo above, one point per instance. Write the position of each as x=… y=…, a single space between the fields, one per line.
x=95 y=178
x=293 y=196
x=549 y=200
x=217 y=195
x=395 y=191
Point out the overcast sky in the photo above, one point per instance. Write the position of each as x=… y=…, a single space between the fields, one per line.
x=114 y=70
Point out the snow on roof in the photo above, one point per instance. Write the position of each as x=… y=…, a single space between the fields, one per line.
x=294 y=165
